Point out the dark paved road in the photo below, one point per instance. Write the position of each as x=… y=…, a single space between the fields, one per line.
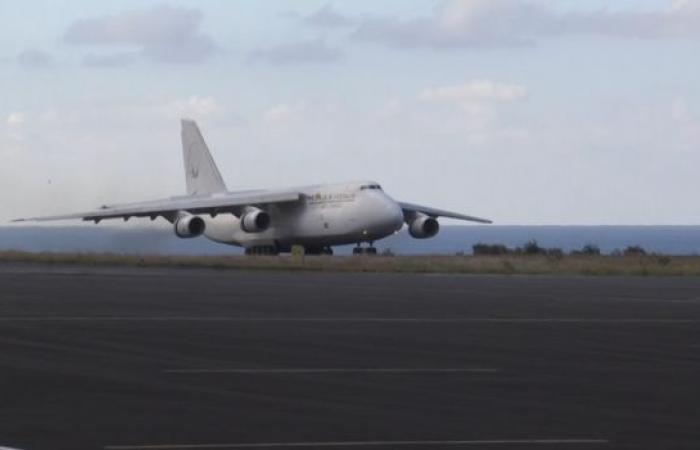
x=157 y=359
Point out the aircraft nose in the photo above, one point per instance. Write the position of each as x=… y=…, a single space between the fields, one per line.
x=383 y=216
x=397 y=216
x=392 y=216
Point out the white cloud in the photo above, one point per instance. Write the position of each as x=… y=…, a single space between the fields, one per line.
x=16 y=119
x=284 y=112
x=161 y=33
x=304 y=52
x=194 y=107
x=390 y=108
x=34 y=59
x=327 y=17
x=110 y=60
x=476 y=92
x=511 y=23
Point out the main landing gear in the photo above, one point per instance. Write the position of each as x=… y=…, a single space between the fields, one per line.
x=262 y=250
x=360 y=250
x=328 y=251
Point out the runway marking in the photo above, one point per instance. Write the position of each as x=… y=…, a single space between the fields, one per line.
x=408 y=320
x=332 y=371
x=494 y=442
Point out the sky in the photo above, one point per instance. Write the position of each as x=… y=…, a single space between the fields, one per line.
x=528 y=112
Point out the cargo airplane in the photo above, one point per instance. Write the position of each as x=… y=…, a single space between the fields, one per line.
x=272 y=221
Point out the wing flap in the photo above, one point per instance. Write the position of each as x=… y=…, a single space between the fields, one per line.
x=409 y=208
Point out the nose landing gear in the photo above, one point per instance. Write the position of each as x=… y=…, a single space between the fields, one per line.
x=360 y=250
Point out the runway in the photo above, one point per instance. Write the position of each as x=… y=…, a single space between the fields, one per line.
x=136 y=359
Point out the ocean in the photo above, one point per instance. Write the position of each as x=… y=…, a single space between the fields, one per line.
x=670 y=240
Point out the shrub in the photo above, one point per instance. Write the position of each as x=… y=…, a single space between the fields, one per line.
x=487 y=249
x=664 y=261
x=532 y=248
x=388 y=252
x=635 y=250
x=587 y=250
x=557 y=253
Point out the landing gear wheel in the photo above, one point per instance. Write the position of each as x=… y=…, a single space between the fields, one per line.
x=319 y=251
x=262 y=250
x=364 y=250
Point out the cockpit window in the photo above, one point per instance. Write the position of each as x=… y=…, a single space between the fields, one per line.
x=371 y=186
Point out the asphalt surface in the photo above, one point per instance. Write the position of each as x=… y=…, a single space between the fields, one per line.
x=184 y=359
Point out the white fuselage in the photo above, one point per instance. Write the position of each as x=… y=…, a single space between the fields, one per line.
x=327 y=215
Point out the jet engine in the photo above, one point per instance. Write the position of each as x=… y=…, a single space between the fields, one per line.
x=189 y=226
x=255 y=220
x=423 y=227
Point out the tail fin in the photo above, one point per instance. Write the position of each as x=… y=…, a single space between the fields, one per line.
x=201 y=172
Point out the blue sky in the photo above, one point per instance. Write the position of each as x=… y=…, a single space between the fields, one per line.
x=526 y=111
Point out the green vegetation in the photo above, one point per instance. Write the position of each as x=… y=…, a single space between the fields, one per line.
x=587 y=250
x=511 y=264
x=531 y=248
x=634 y=251
x=491 y=249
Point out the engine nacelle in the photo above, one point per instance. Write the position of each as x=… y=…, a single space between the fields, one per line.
x=423 y=227
x=189 y=226
x=255 y=220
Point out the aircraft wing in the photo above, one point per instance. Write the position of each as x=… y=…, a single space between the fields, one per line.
x=410 y=208
x=215 y=204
